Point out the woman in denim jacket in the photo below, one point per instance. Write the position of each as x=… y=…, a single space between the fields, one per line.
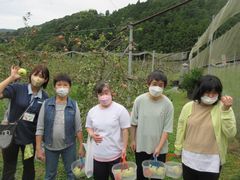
x=58 y=125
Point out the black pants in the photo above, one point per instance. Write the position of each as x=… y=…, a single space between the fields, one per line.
x=191 y=174
x=140 y=157
x=10 y=156
x=102 y=170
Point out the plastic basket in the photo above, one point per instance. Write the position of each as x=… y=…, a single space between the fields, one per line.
x=150 y=171
x=125 y=171
x=173 y=169
x=77 y=168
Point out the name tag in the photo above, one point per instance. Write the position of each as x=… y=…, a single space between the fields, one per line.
x=28 y=117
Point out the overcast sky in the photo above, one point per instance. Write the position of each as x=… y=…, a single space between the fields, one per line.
x=12 y=11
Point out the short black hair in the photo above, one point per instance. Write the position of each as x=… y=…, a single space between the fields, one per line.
x=205 y=84
x=158 y=76
x=40 y=69
x=62 y=77
x=99 y=87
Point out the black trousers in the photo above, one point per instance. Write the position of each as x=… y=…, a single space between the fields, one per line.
x=102 y=170
x=191 y=174
x=10 y=156
x=140 y=157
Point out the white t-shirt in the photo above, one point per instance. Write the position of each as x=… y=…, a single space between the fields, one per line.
x=201 y=162
x=108 y=123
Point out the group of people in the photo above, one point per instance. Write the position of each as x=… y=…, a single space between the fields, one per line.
x=204 y=126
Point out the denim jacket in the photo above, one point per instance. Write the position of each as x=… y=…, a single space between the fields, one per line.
x=69 y=120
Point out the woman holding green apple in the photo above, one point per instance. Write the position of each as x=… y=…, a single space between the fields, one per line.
x=26 y=100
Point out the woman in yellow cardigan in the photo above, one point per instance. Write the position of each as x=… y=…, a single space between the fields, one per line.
x=204 y=126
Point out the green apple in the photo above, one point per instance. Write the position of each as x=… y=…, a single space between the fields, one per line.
x=177 y=170
x=128 y=172
x=22 y=72
x=160 y=171
x=153 y=169
x=78 y=172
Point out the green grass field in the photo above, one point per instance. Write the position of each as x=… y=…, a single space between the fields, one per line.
x=230 y=169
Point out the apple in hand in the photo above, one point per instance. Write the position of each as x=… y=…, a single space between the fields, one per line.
x=22 y=72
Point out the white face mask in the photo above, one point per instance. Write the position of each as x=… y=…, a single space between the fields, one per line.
x=155 y=91
x=36 y=81
x=62 y=92
x=209 y=101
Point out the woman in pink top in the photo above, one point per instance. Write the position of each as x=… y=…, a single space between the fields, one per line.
x=107 y=124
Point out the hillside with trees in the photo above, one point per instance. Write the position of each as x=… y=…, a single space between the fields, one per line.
x=175 y=31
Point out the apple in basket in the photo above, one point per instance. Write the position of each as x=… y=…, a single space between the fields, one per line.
x=176 y=170
x=147 y=172
x=78 y=172
x=157 y=170
x=160 y=171
x=128 y=172
x=118 y=175
x=153 y=169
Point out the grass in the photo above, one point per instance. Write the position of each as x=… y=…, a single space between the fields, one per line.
x=230 y=170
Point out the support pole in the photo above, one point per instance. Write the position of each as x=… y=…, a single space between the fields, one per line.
x=130 y=48
x=153 y=60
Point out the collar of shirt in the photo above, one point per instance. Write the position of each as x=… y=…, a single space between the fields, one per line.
x=39 y=94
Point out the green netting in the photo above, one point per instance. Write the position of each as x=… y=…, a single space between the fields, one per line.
x=230 y=75
x=170 y=64
x=229 y=10
x=201 y=60
x=226 y=47
x=221 y=56
x=223 y=49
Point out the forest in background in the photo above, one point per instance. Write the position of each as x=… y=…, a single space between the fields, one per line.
x=176 y=31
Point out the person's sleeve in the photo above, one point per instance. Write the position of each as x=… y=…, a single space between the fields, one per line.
x=40 y=123
x=134 y=113
x=89 y=120
x=228 y=123
x=10 y=91
x=124 y=119
x=78 y=125
x=168 y=122
x=180 y=132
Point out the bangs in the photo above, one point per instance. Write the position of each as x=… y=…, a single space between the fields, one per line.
x=62 y=77
x=43 y=70
x=208 y=86
x=100 y=86
x=39 y=71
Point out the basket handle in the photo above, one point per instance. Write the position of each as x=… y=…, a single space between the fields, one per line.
x=124 y=163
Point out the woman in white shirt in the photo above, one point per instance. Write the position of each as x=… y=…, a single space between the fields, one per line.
x=107 y=123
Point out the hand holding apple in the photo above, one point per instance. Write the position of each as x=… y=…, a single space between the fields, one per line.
x=14 y=73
